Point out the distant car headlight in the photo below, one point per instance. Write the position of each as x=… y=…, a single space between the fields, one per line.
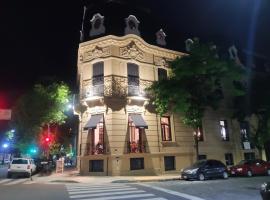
x=263 y=187
x=239 y=169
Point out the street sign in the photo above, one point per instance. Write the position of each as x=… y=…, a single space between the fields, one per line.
x=5 y=114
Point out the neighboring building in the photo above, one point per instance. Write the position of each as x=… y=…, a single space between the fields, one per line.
x=119 y=132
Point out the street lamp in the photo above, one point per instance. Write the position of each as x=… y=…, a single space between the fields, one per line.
x=5 y=146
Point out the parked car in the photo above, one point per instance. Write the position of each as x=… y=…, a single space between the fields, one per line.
x=265 y=191
x=250 y=168
x=205 y=169
x=24 y=166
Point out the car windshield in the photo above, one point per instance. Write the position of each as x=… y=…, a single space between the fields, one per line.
x=19 y=161
x=242 y=162
x=199 y=163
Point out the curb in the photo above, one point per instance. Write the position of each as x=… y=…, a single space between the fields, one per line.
x=150 y=180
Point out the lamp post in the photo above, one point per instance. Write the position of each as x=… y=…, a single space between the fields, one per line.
x=5 y=146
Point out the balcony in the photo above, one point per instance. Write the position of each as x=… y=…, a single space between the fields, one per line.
x=99 y=149
x=114 y=86
x=136 y=147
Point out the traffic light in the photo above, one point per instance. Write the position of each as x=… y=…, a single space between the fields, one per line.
x=47 y=139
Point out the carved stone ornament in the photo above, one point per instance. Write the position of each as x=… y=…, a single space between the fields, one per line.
x=97 y=27
x=97 y=110
x=134 y=109
x=160 y=38
x=97 y=52
x=158 y=61
x=132 y=25
x=132 y=51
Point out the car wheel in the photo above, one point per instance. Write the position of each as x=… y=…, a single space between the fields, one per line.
x=9 y=175
x=201 y=177
x=249 y=173
x=28 y=175
x=225 y=175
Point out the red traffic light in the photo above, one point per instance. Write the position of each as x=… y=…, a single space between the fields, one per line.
x=47 y=139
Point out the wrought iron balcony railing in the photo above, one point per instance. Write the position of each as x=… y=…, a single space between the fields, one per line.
x=136 y=147
x=92 y=149
x=113 y=85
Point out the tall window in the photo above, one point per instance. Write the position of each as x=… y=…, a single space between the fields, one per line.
x=98 y=79
x=135 y=138
x=97 y=138
x=229 y=159
x=224 y=130
x=162 y=74
x=98 y=73
x=244 y=131
x=133 y=79
x=166 y=129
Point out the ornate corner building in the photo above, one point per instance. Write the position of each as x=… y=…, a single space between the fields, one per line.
x=119 y=131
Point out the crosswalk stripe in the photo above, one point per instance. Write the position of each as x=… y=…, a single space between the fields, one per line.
x=29 y=182
x=121 y=197
x=93 y=186
x=6 y=180
x=100 y=191
x=16 y=182
x=96 y=188
x=106 y=194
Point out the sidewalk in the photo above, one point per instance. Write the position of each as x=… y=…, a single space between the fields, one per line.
x=72 y=176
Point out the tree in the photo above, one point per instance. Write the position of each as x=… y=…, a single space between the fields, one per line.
x=37 y=109
x=196 y=82
x=256 y=104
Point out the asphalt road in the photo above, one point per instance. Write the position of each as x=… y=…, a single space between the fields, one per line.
x=231 y=189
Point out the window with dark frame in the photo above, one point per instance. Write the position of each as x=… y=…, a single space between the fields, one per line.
x=96 y=166
x=229 y=159
x=169 y=163
x=133 y=79
x=136 y=163
x=98 y=73
x=162 y=74
x=165 y=128
x=224 y=130
x=249 y=156
x=202 y=157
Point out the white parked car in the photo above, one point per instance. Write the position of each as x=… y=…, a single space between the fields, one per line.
x=25 y=166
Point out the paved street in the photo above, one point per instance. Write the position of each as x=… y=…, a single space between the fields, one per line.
x=231 y=189
x=239 y=188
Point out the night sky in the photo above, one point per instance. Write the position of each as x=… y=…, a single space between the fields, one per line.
x=40 y=38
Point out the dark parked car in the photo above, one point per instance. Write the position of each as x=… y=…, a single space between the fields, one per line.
x=265 y=191
x=250 y=168
x=205 y=169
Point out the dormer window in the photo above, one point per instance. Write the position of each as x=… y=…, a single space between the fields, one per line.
x=160 y=38
x=97 y=25
x=132 y=25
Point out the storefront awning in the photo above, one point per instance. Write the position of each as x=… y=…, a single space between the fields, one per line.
x=138 y=121
x=93 y=121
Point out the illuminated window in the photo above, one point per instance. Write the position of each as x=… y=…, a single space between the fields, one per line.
x=244 y=131
x=224 y=130
x=199 y=134
x=166 y=129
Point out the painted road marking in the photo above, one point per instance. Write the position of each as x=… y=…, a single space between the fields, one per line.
x=179 y=194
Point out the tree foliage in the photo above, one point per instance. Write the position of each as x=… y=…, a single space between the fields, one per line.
x=44 y=104
x=197 y=81
x=256 y=102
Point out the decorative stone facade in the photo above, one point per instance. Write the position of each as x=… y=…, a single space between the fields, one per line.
x=119 y=132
